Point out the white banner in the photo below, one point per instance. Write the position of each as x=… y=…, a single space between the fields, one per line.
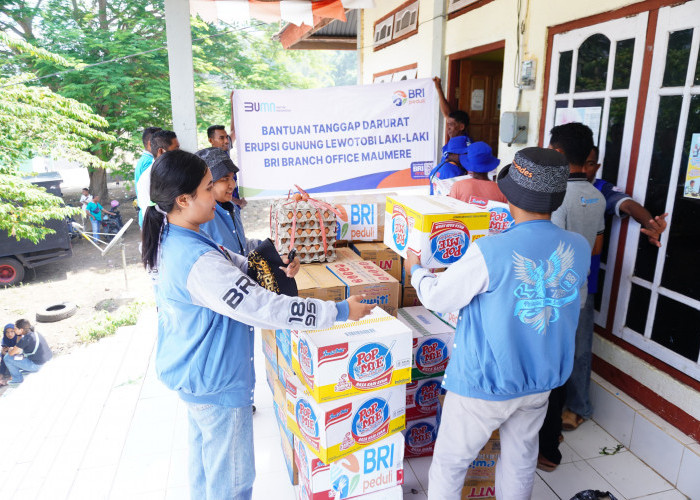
x=335 y=139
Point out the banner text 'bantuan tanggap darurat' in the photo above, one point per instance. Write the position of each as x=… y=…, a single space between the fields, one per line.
x=335 y=139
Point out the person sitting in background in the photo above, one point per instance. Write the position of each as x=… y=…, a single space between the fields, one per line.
x=95 y=211
x=29 y=354
x=162 y=141
x=479 y=161
x=146 y=159
x=9 y=339
x=450 y=166
x=226 y=228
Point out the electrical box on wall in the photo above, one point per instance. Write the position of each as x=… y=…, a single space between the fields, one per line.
x=527 y=74
x=513 y=128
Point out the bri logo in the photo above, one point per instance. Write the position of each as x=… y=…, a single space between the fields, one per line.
x=432 y=356
x=256 y=107
x=307 y=422
x=370 y=366
x=420 y=435
x=371 y=421
x=399 y=98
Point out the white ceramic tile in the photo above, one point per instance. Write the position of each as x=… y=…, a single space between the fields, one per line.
x=666 y=427
x=568 y=479
x=149 y=438
x=612 y=414
x=273 y=486
x=655 y=447
x=143 y=474
x=664 y=495
x=421 y=468
x=567 y=453
x=410 y=481
x=589 y=439
x=541 y=491
x=265 y=422
x=177 y=494
x=94 y=482
x=629 y=475
x=268 y=456
x=178 y=473
x=689 y=474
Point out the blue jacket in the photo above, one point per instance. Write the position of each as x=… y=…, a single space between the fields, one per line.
x=207 y=307
x=227 y=230
x=518 y=296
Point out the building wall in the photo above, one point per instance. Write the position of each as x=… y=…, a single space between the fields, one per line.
x=496 y=21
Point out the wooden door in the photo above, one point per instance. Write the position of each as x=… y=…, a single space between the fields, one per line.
x=480 y=96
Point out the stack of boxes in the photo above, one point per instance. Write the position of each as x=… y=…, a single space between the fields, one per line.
x=345 y=405
x=432 y=346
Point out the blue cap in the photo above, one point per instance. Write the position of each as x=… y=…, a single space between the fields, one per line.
x=457 y=145
x=479 y=158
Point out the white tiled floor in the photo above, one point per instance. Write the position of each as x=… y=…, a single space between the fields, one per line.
x=104 y=427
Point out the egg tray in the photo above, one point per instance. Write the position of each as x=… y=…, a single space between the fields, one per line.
x=312 y=255
x=305 y=211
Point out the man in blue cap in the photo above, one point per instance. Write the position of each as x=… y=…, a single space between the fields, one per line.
x=450 y=165
x=479 y=161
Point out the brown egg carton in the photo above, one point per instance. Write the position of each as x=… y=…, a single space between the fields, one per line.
x=308 y=232
x=308 y=254
x=304 y=211
x=303 y=240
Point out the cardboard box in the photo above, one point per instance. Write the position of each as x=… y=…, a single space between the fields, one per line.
x=380 y=254
x=287 y=444
x=363 y=277
x=336 y=429
x=449 y=318
x=439 y=229
x=422 y=398
x=442 y=187
x=409 y=297
x=393 y=493
x=373 y=468
x=499 y=213
x=346 y=254
x=406 y=273
x=420 y=436
x=432 y=342
x=270 y=373
x=317 y=282
x=480 y=481
x=283 y=339
x=353 y=357
x=283 y=367
x=361 y=217
x=269 y=346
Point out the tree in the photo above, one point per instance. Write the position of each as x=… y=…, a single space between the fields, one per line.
x=36 y=121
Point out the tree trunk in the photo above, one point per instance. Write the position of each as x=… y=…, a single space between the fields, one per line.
x=98 y=185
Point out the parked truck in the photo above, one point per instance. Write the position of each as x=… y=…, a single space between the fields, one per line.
x=18 y=256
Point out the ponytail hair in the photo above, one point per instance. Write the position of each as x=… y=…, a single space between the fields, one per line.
x=174 y=173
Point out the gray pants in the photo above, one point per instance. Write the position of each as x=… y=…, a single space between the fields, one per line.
x=466 y=426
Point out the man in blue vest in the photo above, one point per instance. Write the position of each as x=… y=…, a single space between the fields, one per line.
x=518 y=296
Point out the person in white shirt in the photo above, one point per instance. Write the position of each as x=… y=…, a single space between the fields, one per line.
x=85 y=198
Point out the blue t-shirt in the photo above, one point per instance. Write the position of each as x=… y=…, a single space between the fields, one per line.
x=95 y=210
x=144 y=162
x=446 y=170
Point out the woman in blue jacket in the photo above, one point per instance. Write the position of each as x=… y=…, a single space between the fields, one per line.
x=207 y=307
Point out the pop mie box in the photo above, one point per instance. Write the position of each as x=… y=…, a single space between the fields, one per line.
x=432 y=342
x=422 y=397
x=380 y=254
x=420 y=436
x=499 y=213
x=364 y=277
x=438 y=229
x=375 y=467
x=353 y=357
x=335 y=429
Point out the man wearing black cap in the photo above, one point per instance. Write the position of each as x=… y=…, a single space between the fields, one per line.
x=226 y=228
x=518 y=296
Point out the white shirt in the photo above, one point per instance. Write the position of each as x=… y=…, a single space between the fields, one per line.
x=84 y=200
x=143 y=190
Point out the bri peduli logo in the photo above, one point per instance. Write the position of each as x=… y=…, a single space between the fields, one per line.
x=427 y=396
x=432 y=356
x=420 y=435
x=448 y=241
x=370 y=366
x=307 y=422
x=399 y=98
x=371 y=421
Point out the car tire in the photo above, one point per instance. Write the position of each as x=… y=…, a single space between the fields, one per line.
x=11 y=271
x=56 y=312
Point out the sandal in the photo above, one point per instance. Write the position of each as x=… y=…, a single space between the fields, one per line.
x=570 y=420
x=544 y=464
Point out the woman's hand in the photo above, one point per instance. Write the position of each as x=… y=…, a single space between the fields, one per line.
x=358 y=310
x=292 y=269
